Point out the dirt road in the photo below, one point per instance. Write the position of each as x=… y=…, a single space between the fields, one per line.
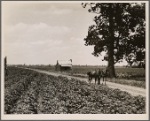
x=130 y=89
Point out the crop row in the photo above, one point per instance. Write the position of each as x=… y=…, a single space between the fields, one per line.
x=78 y=97
x=16 y=83
x=46 y=94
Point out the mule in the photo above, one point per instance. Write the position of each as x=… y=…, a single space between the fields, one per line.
x=94 y=74
x=98 y=74
x=104 y=74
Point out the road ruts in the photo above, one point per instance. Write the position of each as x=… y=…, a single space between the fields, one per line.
x=135 y=91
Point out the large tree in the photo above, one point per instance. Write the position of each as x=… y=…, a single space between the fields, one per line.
x=119 y=29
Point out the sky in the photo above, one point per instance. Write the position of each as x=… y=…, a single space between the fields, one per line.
x=44 y=32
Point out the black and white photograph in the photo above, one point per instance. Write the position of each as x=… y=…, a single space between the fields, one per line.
x=74 y=60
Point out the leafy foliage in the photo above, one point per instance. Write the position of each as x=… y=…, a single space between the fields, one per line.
x=119 y=29
x=128 y=26
x=58 y=95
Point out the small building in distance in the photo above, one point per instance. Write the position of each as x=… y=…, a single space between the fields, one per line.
x=63 y=65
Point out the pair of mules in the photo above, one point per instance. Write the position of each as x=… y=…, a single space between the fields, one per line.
x=97 y=75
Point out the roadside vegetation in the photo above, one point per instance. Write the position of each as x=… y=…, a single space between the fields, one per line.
x=127 y=76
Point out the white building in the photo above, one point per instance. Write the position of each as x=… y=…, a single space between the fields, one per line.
x=63 y=65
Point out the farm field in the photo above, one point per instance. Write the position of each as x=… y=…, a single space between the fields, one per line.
x=127 y=76
x=29 y=92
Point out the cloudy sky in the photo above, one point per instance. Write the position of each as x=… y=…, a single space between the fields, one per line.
x=44 y=32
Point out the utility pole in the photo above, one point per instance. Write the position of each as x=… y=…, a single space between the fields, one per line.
x=5 y=65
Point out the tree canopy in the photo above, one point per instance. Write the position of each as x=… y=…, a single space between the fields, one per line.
x=119 y=30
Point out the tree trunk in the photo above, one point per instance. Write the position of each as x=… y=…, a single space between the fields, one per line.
x=111 y=45
x=111 y=64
